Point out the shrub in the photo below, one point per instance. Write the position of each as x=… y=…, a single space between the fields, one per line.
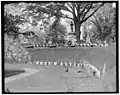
x=14 y=50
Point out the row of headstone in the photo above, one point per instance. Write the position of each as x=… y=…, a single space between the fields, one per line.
x=45 y=45
x=92 y=45
x=87 y=45
x=80 y=45
x=60 y=63
x=65 y=64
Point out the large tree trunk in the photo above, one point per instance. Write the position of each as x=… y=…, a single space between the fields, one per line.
x=77 y=30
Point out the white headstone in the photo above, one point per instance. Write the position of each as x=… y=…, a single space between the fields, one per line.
x=74 y=64
x=45 y=63
x=41 y=63
x=55 y=63
x=37 y=62
x=49 y=63
x=78 y=65
x=66 y=63
x=61 y=63
x=70 y=63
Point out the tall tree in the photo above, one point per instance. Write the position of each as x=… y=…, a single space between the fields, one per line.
x=80 y=13
x=104 y=26
x=21 y=19
x=56 y=31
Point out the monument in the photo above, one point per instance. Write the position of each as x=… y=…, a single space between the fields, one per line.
x=71 y=25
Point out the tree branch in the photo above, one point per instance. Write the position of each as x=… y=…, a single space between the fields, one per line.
x=73 y=9
x=70 y=6
x=83 y=10
x=74 y=5
x=65 y=8
x=78 y=9
x=67 y=17
x=92 y=13
x=87 y=11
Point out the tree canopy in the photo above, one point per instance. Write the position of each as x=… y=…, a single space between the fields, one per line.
x=80 y=12
x=104 y=25
x=33 y=13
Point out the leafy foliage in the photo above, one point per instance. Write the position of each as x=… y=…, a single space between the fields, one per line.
x=37 y=12
x=80 y=11
x=56 y=32
x=12 y=19
x=32 y=13
x=18 y=16
x=14 y=50
x=104 y=26
x=10 y=27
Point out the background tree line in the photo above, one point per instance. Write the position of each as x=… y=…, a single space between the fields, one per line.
x=50 y=14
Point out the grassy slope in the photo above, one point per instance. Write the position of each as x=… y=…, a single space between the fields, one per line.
x=96 y=56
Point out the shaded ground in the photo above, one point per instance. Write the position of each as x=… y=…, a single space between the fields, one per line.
x=56 y=80
x=9 y=73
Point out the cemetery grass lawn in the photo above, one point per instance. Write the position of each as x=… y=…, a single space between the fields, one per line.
x=96 y=56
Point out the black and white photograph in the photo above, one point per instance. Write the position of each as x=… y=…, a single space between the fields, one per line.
x=59 y=47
